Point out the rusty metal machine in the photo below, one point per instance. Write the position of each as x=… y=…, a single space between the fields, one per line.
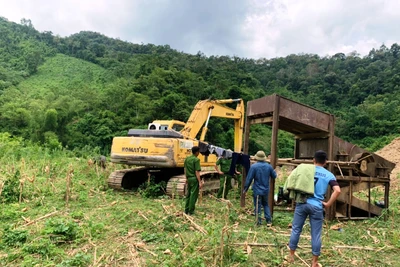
x=360 y=173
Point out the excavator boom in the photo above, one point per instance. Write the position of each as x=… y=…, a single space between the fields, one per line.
x=215 y=108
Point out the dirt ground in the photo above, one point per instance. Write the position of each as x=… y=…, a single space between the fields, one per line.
x=391 y=152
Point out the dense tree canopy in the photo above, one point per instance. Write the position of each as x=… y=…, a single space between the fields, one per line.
x=82 y=90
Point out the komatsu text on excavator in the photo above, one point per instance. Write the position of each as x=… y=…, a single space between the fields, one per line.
x=160 y=150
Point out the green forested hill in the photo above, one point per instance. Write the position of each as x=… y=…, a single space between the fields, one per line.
x=82 y=90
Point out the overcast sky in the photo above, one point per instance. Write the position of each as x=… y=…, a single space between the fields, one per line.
x=245 y=28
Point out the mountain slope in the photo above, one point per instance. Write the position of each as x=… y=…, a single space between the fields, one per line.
x=115 y=85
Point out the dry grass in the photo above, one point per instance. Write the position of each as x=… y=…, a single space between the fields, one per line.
x=124 y=229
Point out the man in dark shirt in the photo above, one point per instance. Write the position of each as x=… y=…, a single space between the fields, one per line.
x=260 y=172
x=192 y=172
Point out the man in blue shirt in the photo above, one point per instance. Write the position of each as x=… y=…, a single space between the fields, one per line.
x=314 y=208
x=260 y=172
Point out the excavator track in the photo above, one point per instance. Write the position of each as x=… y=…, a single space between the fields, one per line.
x=116 y=178
x=176 y=185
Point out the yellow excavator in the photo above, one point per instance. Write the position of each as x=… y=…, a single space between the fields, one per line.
x=160 y=151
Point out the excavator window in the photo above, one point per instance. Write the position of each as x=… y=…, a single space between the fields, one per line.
x=177 y=127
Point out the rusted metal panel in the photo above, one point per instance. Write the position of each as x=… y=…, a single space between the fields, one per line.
x=295 y=127
x=263 y=120
x=351 y=206
x=293 y=117
x=307 y=147
x=304 y=115
x=261 y=106
x=344 y=147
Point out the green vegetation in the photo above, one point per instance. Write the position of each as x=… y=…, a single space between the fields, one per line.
x=80 y=91
x=62 y=100
x=47 y=224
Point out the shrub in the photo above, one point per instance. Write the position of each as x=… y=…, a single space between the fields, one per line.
x=96 y=229
x=10 y=191
x=14 y=238
x=61 y=230
x=152 y=189
x=78 y=260
x=43 y=247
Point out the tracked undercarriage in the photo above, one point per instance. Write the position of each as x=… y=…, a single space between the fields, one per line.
x=176 y=180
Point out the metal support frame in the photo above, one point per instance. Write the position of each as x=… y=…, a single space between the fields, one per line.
x=330 y=212
x=314 y=130
x=245 y=151
x=274 y=151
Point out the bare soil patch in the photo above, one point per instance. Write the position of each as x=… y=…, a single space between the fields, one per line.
x=391 y=152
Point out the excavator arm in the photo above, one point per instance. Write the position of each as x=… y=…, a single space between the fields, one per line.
x=215 y=108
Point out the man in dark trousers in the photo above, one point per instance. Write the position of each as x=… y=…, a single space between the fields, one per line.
x=313 y=207
x=192 y=172
x=260 y=172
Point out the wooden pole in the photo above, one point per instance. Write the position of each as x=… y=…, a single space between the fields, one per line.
x=68 y=185
x=369 y=199
x=21 y=189
x=257 y=209
x=331 y=211
x=201 y=192
x=195 y=225
x=386 y=196
x=41 y=218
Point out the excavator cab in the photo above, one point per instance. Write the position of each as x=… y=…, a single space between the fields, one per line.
x=161 y=125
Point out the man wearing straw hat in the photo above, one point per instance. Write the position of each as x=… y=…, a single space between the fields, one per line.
x=260 y=172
